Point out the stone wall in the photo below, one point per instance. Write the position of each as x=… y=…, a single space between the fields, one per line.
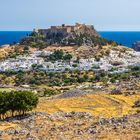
x=77 y=28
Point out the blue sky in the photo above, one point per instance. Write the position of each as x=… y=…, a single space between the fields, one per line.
x=103 y=14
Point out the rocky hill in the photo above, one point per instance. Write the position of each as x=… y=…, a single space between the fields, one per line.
x=68 y=30
x=136 y=46
x=74 y=36
x=79 y=34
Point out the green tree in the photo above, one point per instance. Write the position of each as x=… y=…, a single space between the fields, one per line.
x=68 y=57
x=18 y=102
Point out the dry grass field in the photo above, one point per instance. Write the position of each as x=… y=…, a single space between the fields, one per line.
x=99 y=104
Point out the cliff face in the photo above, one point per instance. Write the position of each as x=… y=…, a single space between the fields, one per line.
x=136 y=46
x=87 y=29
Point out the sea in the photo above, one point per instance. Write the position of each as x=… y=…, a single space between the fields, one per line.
x=123 y=38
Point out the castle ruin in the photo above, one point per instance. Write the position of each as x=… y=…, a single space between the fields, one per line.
x=68 y=29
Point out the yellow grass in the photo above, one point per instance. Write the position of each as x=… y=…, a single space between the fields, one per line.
x=7 y=126
x=104 y=105
x=6 y=89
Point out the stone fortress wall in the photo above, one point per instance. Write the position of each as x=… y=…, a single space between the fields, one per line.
x=67 y=29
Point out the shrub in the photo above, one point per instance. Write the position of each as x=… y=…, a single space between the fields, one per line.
x=137 y=103
x=97 y=59
x=75 y=65
x=135 y=68
x=68 y=57
x=49 y=92
x=59 y=55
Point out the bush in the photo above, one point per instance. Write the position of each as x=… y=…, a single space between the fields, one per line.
x=135 y=68
x=49 y=92
x=75 y=65
x=97 y=59
x=68 y=57
x=137 y=104
x=59 y=55
x=18 y=102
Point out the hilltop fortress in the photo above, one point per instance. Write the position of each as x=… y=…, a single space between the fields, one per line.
x=65 y=35
x=69 y=29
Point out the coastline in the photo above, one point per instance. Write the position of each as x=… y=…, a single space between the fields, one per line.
x=125 y=38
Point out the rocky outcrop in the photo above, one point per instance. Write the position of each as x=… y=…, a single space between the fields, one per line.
x=78 y=34
x=69 y=34
x=136 y=46
x=73 y=125
x=68 y=30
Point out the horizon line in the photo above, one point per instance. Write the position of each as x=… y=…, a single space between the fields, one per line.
x=96 y=30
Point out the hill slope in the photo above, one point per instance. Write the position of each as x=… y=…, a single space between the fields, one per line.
x=99 y=104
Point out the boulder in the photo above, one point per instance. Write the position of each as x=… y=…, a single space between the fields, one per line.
x=116 y=92
x=136 y=46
